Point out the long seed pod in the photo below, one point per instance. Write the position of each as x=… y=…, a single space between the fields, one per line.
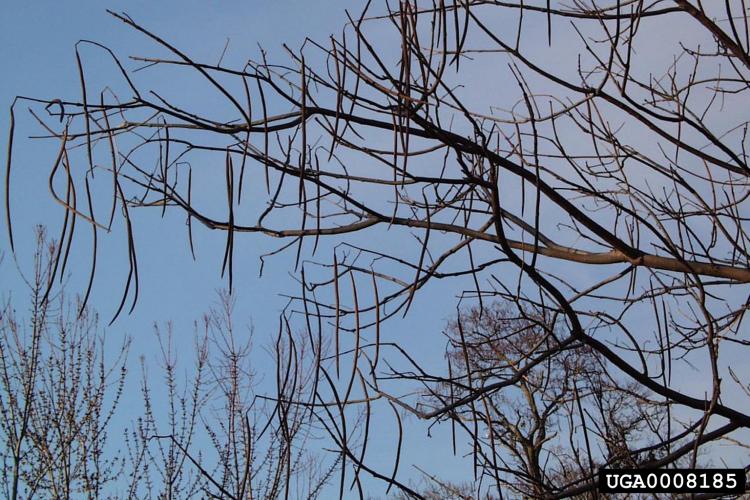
x=356 y=339
x=338 y=310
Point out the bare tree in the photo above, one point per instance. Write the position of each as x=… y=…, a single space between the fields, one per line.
x=216 y=435
x=210 y=431
x=552 y=424
x=58 y=393
x=584 y=164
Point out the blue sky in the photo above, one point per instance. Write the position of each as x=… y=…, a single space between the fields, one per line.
x=37 y=40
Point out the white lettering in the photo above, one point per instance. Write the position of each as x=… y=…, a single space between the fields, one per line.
x=638 y=482
x=610 y=483
x=668 y=482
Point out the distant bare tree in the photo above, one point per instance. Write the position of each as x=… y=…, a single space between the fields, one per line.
x=583 y=164
x=529 y=434
x=215 y=434
x=218 y=436
x=58 y=392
